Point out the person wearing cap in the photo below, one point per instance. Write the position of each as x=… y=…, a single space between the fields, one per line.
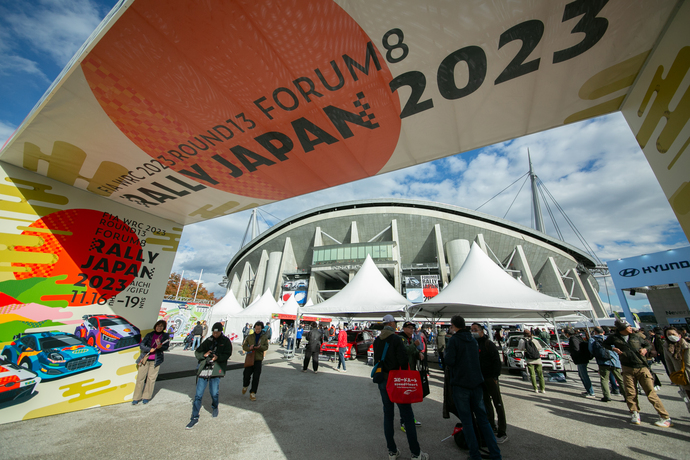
x=633 y=349
x=213 y=355
x=414 y=355
x=396 y=358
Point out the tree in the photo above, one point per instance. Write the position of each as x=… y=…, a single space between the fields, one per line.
x=187 y=289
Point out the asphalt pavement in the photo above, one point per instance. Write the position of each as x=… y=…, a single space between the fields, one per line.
x=338 y=415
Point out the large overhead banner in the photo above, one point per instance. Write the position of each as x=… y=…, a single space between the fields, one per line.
x=191 y=110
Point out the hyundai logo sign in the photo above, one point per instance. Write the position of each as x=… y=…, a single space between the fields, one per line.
x=629 y=272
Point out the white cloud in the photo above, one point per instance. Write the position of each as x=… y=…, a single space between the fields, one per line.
x=55 y=27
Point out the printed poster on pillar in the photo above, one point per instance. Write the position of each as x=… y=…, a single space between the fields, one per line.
x=81 y=279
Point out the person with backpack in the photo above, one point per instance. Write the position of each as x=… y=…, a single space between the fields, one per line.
x=395 y=358
x=313 y=348
x=532 y=355
x=579 y=352
x=606 y=360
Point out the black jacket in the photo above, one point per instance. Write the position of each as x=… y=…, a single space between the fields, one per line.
x=198 y=329
x=396 y=358
x=489 y=358
x=462 y=360
x=577 y=346
x=314 y=340
x=223 y=350
x=631 y=349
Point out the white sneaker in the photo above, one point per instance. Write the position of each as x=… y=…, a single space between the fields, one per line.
x=421 y=456
x=544 y=391
x=664 y=422
x=393 y=456
x=635 y=418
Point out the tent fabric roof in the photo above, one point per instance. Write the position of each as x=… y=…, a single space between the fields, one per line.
x=369 y=294
x=482 y=289
x=263 y=306
x=227 y=306
x=290 y=306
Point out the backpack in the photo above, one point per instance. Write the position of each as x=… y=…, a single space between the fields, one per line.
x=583 y=352
x=599 y=351
x=531 y=351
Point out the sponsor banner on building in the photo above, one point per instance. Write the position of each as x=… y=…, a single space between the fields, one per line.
x=414 y=295
x=207 y=124
x=81 y=279
x=429 y=286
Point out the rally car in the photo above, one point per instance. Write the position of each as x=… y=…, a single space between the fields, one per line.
x=514 y=358
x=108 y=332
x=51 y=354
x=16 y=382
x=358 y=343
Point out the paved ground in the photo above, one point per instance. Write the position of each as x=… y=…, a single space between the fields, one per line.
x=335 y=415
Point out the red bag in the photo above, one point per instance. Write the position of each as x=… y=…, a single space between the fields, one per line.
x=405 y=387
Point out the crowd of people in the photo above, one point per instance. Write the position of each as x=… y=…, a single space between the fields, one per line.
x=470 y=358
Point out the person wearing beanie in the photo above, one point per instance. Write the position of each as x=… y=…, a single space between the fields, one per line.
x=213 y=355
x=633 y=349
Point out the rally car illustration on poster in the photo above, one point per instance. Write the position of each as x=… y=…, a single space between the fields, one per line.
x=108 y=332
x=16 y=383
x=51 y=355
x=515 y=359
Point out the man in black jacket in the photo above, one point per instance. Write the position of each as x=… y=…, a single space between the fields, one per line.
x=579 y=351
x=462 y=361
x=314 y=342
x=213 y=355
x=396 y=358
x=490 y=363
x=632 y=349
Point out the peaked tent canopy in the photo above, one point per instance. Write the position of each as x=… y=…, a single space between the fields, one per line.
x=369 y=294
x=481 y=289
x=224 y=308
x=261 y=309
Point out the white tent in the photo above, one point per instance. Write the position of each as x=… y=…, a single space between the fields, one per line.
x=223 y=309
x=481 y=289
x=261 y=309
x=369 y=294
x=290 y=306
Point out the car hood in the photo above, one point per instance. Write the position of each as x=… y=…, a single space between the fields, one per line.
x=122 y=330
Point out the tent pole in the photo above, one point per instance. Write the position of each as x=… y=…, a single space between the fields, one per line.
x=560 y=345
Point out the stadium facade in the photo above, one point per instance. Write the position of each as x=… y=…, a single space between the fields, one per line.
x=417 y=245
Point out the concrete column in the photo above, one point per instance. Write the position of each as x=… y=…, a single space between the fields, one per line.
x=457 y=251
x=260 y=277
x=243 y=293
x=318 y=239
x=481 y=243
x=440 y=256
x=397 y=256
x=354 y=235
x=287 y=263
x=520 y=263
x=235 y=286
x=593 y=296
x=549 y=278
x=273 y=266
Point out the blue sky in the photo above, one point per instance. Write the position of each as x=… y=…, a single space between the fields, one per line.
x=595 y=169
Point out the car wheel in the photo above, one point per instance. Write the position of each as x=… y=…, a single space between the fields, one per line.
x=353 y=353
x=7 y=355
x=90 y=342
x=26 y=363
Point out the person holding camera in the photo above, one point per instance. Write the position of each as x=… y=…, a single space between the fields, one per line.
x=213 y=355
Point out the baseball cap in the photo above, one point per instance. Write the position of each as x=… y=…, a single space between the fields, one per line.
x=388 y=318
x=409 y=323
x=621 y=324
x=218 y=327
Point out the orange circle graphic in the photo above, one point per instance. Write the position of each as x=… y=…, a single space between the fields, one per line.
x=264 y=99
x=100 y=254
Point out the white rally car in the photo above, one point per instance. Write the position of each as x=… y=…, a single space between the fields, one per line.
x=515 y=359
x=16 y=382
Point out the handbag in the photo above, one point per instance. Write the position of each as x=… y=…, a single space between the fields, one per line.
x=679 y=377
x=377 y=371
x=249 y=359
x=405 y=386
